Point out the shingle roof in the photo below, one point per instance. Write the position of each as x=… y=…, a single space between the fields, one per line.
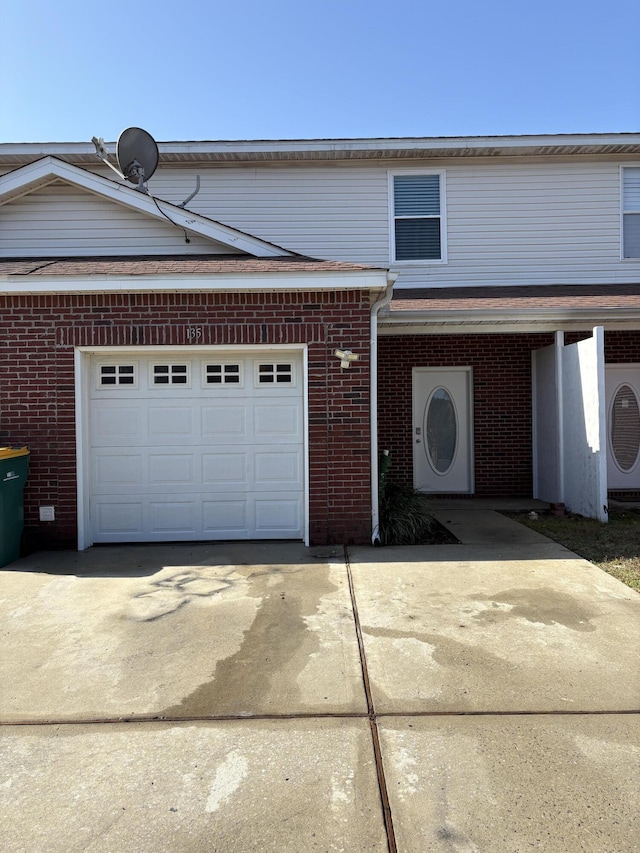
x=170 y=265
x=515 y=298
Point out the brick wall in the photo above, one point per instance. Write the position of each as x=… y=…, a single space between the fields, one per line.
x=37 y=381
x=622 y=347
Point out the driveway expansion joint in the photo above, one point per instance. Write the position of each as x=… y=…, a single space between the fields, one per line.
x=354 y=715
x=375 y=737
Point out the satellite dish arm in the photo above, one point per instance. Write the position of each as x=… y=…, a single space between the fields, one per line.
x=103 y=154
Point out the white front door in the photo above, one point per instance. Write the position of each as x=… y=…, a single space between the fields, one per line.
x=623 y=426
x=442 y=445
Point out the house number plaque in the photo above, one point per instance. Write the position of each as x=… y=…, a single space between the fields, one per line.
x=194 y=334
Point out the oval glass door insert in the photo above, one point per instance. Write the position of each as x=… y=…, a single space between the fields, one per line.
x=624 y=428
x=440 y=430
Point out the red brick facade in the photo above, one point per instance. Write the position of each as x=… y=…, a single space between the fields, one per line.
x=37 y=380
x=38 y=394
x=501 y=396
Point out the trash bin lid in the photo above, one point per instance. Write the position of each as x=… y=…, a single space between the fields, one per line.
x=10 y=452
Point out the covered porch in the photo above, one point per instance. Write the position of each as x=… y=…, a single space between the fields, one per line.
x=521 y=392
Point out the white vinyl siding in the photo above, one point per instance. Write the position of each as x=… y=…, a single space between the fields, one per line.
x=631 y=212
x=418 y=217
x=544 y=222
x=508 y=221
x=61 y=220
x=328 y=212
x=524 y=223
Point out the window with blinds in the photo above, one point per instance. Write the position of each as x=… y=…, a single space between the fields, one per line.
x=417 y=217
x=631 y=212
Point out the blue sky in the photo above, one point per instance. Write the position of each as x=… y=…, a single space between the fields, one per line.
x=295 y=70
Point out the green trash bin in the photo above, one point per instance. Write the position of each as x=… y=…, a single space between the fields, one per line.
x=14 y=464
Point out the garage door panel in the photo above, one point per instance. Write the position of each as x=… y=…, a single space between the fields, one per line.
x=208 y=461
x=273 y=468
x=113 y=423
x=171 y=422
x=226 y=518
x=171 y=469
x=115 y=518
x=168 y=517
x=227 y=468
x=117 y=469
x=277 y=422
x=277 y=517
x=224 y=422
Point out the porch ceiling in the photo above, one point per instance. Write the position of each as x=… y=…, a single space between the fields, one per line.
x=538 y=308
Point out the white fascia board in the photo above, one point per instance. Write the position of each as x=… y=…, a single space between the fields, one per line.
x=32 y=176
x=247 y=283
x=453 y=143
x=28 y=178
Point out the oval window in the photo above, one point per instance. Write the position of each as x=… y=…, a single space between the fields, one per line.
x=441 y=431
x=624 y=428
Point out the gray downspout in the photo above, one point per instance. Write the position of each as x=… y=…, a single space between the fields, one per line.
x=384 y=300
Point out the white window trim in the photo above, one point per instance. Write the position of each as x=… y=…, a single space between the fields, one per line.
x=622 y=212
x=443 y=216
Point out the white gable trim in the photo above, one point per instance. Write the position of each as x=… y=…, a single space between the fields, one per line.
x=43 y=172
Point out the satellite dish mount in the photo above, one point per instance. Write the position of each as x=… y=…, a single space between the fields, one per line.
x=136 y=153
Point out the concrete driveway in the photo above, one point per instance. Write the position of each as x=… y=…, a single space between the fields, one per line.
x=267 y=697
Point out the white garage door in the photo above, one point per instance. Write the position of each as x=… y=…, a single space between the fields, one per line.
x=186 y=448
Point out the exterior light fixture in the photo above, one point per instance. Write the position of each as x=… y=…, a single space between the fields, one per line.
x=346 y=357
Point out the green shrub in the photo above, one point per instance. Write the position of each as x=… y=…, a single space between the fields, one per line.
x=404 y=516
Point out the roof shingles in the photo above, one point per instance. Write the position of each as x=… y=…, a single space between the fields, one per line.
x=170 y=265
x=516 y=298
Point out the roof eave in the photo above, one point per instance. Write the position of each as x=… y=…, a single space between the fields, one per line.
x=242 y=282
x=541 y=320
x=340 y=149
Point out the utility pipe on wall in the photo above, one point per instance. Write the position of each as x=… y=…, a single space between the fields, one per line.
x=384 y=300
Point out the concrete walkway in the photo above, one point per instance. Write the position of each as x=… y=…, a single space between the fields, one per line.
x=473 y=698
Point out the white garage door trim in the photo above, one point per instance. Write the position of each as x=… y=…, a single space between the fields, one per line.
x=83 y=361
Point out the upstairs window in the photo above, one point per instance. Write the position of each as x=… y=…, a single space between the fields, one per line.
x=417 y=214
x=631 y=212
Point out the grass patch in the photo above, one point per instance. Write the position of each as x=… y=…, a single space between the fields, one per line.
x=614 y=547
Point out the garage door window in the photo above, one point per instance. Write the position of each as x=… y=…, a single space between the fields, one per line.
x=117 y=374
x=170 y=374
x=279 y=374
x=223 y=374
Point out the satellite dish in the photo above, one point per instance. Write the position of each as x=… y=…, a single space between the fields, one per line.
x=137 y=156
